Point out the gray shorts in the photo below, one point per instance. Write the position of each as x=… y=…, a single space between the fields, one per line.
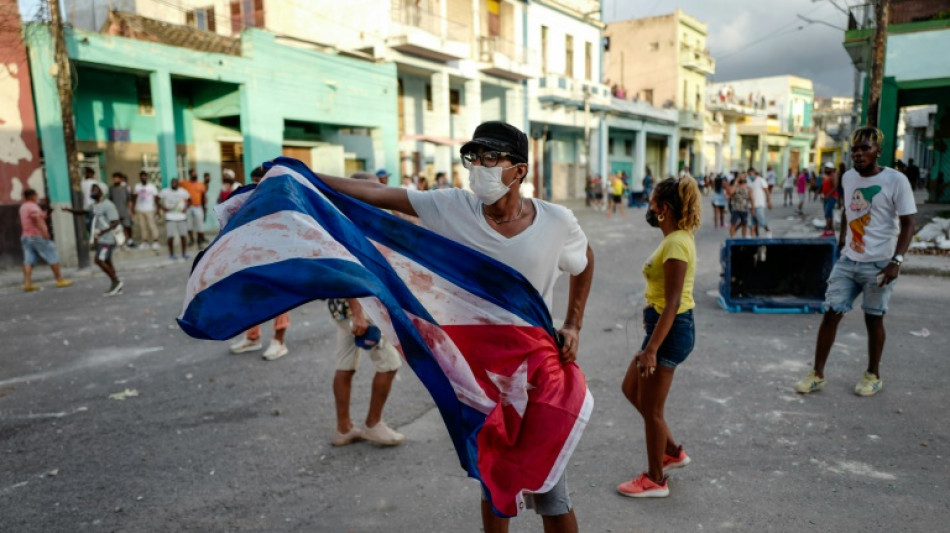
x=176 y=228
x=554 y=502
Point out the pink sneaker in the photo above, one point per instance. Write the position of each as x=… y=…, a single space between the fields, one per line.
x=644 y=487
x=677 y=460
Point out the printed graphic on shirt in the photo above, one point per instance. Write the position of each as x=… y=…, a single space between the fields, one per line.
x=861 y=207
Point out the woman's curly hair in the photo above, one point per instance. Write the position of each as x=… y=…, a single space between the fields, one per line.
x=683 y=197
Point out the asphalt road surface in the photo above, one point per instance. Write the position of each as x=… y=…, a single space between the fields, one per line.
x=218 y=442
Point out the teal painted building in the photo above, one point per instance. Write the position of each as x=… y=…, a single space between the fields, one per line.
x=208 y=102
x=916 y=73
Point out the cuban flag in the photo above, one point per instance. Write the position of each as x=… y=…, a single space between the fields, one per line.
x=476 y=333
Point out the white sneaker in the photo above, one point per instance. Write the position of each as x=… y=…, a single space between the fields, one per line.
x=383 y=435
x=245 y=345
x=351 y=436
x=156 y=246
x=275 y=350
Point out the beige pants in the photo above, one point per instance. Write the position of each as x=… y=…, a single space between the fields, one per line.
x=148 y=230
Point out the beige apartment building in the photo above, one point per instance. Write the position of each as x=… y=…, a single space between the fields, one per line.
x=663 y=61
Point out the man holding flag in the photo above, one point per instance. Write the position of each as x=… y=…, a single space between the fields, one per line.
x=466 y=297
x=535 y=238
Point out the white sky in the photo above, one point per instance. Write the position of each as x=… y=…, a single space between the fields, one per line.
x=748 y=38
x=756 y=38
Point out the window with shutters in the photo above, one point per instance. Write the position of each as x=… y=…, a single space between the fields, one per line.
x=246 y=14
x=569 y=56
x=201 y=18
x=494 y=18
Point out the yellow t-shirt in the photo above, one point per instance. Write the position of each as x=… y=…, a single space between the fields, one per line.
x=678 y=245
x=617 y=187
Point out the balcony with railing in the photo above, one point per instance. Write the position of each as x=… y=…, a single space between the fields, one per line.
x=697 y=60
x=555 y=89
x=506 y=59
x=420 y=32
x=732 y=108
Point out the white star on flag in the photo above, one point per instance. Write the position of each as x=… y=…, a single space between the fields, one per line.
x=514 y=388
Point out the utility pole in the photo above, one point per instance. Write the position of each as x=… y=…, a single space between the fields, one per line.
x=64 y=86
x=877 y=60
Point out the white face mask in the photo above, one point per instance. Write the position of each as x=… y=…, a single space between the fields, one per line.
x=487 y=183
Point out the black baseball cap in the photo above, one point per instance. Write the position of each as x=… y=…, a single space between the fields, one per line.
x=501 y=136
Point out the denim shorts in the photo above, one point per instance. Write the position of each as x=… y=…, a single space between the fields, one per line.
x=37 y=247
x=850 y=278
x=830 y=204
x=758 y=218
x=739 y=217
x=554 y=502
x=679 y=341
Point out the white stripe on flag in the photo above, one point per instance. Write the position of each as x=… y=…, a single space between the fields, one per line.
x=270 y=239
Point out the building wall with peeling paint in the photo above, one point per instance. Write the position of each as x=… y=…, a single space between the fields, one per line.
x=20 y=167
x=269 y=100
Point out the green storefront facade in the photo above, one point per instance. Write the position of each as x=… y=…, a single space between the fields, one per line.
x=140 y=104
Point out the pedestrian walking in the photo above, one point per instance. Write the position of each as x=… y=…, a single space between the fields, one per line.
x=829 y=194
x=36 y=243
x=801 y=187
x=173 y=201
x=670 y=330
x=251 y=341
x=534 y=237
x=873 y=248
x=740 y=204
x=719 y=203
x=144 y=210
x=121 y=196
x=195 y=213
x=761 y=200
x=788 y=188
x=105 y=219
x=355 y=335
x=616 y=195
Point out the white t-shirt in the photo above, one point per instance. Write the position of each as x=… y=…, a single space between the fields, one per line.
x=86 y=187
x=174 y=202
x=145 y=197
x=770 y=177
x=758 y=188
x=872 y=208
x=553 y=243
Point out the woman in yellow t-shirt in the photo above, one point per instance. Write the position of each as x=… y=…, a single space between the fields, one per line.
x=670 y=331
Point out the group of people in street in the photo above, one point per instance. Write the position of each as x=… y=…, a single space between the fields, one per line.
x=877 y=225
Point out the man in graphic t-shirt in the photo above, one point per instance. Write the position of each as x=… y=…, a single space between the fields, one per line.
x=877 y=225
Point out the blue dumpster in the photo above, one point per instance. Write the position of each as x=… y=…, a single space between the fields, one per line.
x=775 y=275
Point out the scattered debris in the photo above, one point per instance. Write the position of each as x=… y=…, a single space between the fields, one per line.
x=923 y=332
x=127 y=393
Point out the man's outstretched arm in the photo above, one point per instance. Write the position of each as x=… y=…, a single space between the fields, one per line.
x=375 y=194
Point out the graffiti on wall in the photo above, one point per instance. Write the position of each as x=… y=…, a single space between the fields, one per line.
x=20 y=166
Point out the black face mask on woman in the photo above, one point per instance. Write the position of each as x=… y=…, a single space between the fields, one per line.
x=652 y=218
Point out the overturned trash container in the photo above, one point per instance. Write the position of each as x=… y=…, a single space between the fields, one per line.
x=775 y=275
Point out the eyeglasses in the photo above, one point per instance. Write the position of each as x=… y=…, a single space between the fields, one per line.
x=488 y=159
x=741 y=182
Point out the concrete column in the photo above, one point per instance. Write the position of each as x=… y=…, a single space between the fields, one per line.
x=49 y=122
x=261 y=128
x=439 y=82
x=473 y=106
x=514 y=107
x=733 y=147
x=785 y=161
x=640 y=159
x=161 y=87
x=763 y=153
x=673 y=154
x=601 y=163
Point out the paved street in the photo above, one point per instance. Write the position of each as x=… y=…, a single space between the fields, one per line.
x=216 y=442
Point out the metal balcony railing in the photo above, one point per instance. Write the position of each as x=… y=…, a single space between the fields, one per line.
x=429 y=21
